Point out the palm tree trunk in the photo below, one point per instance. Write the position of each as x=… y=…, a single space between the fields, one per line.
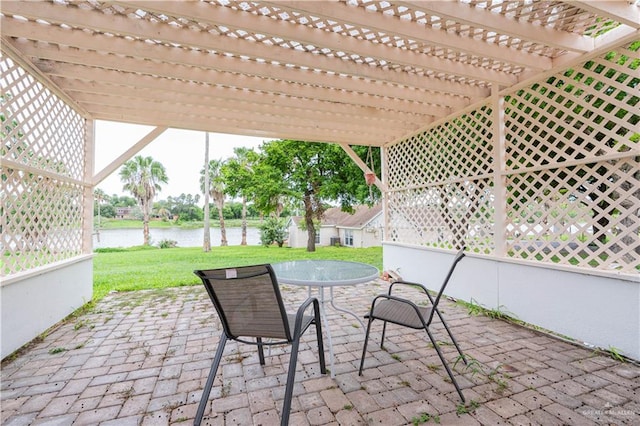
x=223 y=230
x=244 y=222
x=145 y=223
x=206 y=243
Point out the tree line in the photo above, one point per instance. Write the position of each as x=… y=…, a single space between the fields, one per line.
x=280 y=177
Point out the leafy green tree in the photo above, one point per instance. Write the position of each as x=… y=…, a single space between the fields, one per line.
x=316 y=173
x=270 y=190
x=240 y=177
x=107 y=211
x=122 y=201
x=185 y=207
x=142 y=177
x=232 y=210
x=217 y=192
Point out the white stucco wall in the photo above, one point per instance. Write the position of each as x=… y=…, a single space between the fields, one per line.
x=596 y=309
x=33 y=303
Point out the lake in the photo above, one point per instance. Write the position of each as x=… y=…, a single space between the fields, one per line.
x=184 y=237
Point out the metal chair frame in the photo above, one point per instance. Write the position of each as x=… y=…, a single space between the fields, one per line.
x=300 y=321
x=404 y=312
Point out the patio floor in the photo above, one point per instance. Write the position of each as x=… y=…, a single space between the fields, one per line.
x=143 y=358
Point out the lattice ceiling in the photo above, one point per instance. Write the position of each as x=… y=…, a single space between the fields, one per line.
x=357 y=71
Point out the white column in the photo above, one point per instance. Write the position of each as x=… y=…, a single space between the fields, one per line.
x=384 y=155
x=499 y=174
x=89 y=165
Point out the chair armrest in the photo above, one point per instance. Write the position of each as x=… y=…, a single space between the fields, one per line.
x=412 y=284
x=301 y=310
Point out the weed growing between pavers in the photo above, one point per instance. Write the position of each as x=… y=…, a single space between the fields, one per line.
x=424 y=418
x=476 y=368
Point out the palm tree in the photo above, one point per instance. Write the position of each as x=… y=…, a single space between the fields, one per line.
x=216 y=191
x=239 y=175
x=99 y=196
x=206 y=243
x=142 y=177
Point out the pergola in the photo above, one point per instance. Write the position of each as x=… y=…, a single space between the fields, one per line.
x=511 y=126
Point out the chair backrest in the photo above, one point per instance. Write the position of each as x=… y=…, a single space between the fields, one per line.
x=456 y=259
x=248 y=301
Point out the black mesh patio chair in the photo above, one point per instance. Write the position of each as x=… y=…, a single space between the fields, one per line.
x=407 y=313
x=250 y=306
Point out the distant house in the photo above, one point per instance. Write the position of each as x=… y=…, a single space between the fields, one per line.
x=361 y=229
x=124 y=212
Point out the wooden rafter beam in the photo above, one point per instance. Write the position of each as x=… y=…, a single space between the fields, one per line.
x=98 y=102
x=476 y=17
x=146 y=30
x=127 y=66
x=213 y=84
x=78 y=77
x=390 y=25
x=219 y=15
x=239 y=126
x=82 y=90
x=127 y=61
x=626 y=13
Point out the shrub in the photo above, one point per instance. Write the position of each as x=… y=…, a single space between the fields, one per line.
x=273 y=230
x=165 y=243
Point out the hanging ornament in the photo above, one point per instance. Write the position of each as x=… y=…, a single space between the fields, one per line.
x=370 y=178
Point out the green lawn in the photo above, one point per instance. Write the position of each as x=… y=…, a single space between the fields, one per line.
x=140 y=268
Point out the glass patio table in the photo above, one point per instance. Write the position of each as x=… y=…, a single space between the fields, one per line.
x=321 y=274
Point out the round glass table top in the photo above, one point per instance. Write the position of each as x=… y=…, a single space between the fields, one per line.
x=324 y=273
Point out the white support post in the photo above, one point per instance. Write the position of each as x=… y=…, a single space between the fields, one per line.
x=499 y=174
x=384 y=154
x=89 y=164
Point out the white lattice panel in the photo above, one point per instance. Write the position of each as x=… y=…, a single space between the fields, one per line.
x=42 y=165
x=440 y=195
x=444 y=216
x=572 y=225
x=571 y=167
x=585 y=214
x=459 y=148
x=588 y=112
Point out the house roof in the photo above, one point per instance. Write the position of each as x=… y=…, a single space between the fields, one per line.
x=363 y=72
x=362 y=215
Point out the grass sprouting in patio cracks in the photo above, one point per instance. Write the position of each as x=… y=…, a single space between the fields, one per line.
x=485 y=373
x=425 y=418
x=475 y=309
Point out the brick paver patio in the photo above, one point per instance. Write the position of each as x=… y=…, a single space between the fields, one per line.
x=142 y=358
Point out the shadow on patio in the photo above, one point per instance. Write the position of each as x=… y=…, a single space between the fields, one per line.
x=143 y=358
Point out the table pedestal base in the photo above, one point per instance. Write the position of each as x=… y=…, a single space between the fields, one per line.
x=323 y=313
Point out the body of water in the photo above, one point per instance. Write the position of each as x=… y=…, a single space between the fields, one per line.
x=184 y=237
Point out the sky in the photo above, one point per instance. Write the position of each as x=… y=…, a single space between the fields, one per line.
x=181 y=152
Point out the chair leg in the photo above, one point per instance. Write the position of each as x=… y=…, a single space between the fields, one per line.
x=384 y=331
x=364 y=348
x=444 y=363
x=446 y=327
x=318 y=324
x=212 y=375
x=291 y=375
x=260 y=350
